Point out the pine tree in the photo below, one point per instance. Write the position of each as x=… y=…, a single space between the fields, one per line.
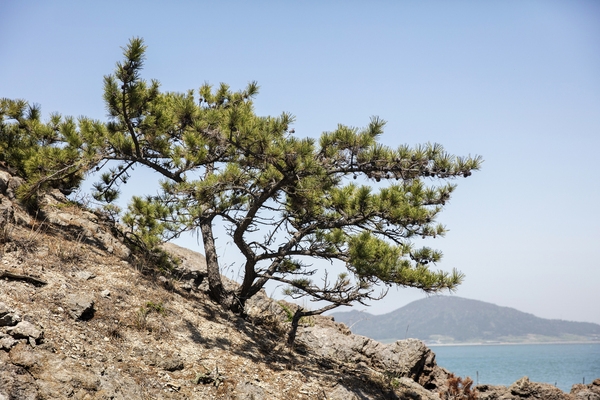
x=284 y=201
x=45 y=154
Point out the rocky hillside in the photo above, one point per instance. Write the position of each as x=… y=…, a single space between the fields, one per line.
x=81 y=317
x=451 y=319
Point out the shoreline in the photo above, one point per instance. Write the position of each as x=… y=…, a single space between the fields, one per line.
x=509 y=343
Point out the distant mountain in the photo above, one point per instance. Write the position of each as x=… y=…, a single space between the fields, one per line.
x=450 y=319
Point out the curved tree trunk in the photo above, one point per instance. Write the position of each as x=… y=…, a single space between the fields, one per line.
x=295 y=322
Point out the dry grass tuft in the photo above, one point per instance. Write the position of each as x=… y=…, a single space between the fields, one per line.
x=459 y=389
x=151 y=317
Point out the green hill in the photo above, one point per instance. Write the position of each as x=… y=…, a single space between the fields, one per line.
x=450 y=319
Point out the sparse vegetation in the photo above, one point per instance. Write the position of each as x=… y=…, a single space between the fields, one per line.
x=459 y=389
x=68 y=252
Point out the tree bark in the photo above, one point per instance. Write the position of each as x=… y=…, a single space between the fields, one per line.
x=215 y=284
x=229 y=300
x=295 y=322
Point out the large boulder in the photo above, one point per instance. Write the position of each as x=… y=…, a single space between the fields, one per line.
x=404 y=358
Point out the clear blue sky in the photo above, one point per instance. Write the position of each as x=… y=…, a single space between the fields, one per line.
x=517 y=82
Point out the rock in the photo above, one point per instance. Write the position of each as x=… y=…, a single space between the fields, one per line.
x=16 y=383
x=165 y=282
x=6 y=342
x=84 y=225
x=412 y=390
x=587 y=392
x=8 y=317
x=10 y=213
x=115 y=385
x=26 y=330
x=522 y=389
x=188 y=285
x=261 y=306
x=4 y=179
x=404 y=358
x=171 y=363
x=24 y=356
x=7 y=215
x=340 y=392
x=491 y=392
x=9 y=184
x=191 y=265
x=249 y=391
x=434 y=377
x=85 y=275
x=105 y=293
x=81 y=306
x=168 y=363
x=57 y=377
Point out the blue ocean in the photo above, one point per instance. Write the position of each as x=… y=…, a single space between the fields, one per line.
x=558 y=364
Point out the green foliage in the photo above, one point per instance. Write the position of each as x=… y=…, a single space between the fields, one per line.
x=222 y=162
x=288 y=312
x=140 y=319
x=46 y=154
x=156 y=307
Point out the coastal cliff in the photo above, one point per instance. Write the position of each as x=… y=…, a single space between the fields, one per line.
x=84 y=317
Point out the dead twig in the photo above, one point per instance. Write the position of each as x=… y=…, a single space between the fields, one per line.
x=26 y=278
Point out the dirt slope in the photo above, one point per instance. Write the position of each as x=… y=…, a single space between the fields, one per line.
x=83 y=318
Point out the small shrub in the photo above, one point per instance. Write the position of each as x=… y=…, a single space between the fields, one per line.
x=459 y=389
x=141 y=315
x=115 y=334
x=306 y=321
x=156 y=307
x=288 y=312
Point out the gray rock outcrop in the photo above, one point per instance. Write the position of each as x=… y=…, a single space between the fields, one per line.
x=404 y=358
x=81 y=306
x=587 y=392
x=522 y=389
x=8 y=188
x=27 y=373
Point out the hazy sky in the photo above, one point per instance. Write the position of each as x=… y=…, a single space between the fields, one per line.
x=517 y=82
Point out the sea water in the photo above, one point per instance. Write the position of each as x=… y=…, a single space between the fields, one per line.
x=558 y=364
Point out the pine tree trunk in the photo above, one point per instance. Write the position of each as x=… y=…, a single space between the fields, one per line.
x=228 y=300
x=215 y=284
x=295 y=322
